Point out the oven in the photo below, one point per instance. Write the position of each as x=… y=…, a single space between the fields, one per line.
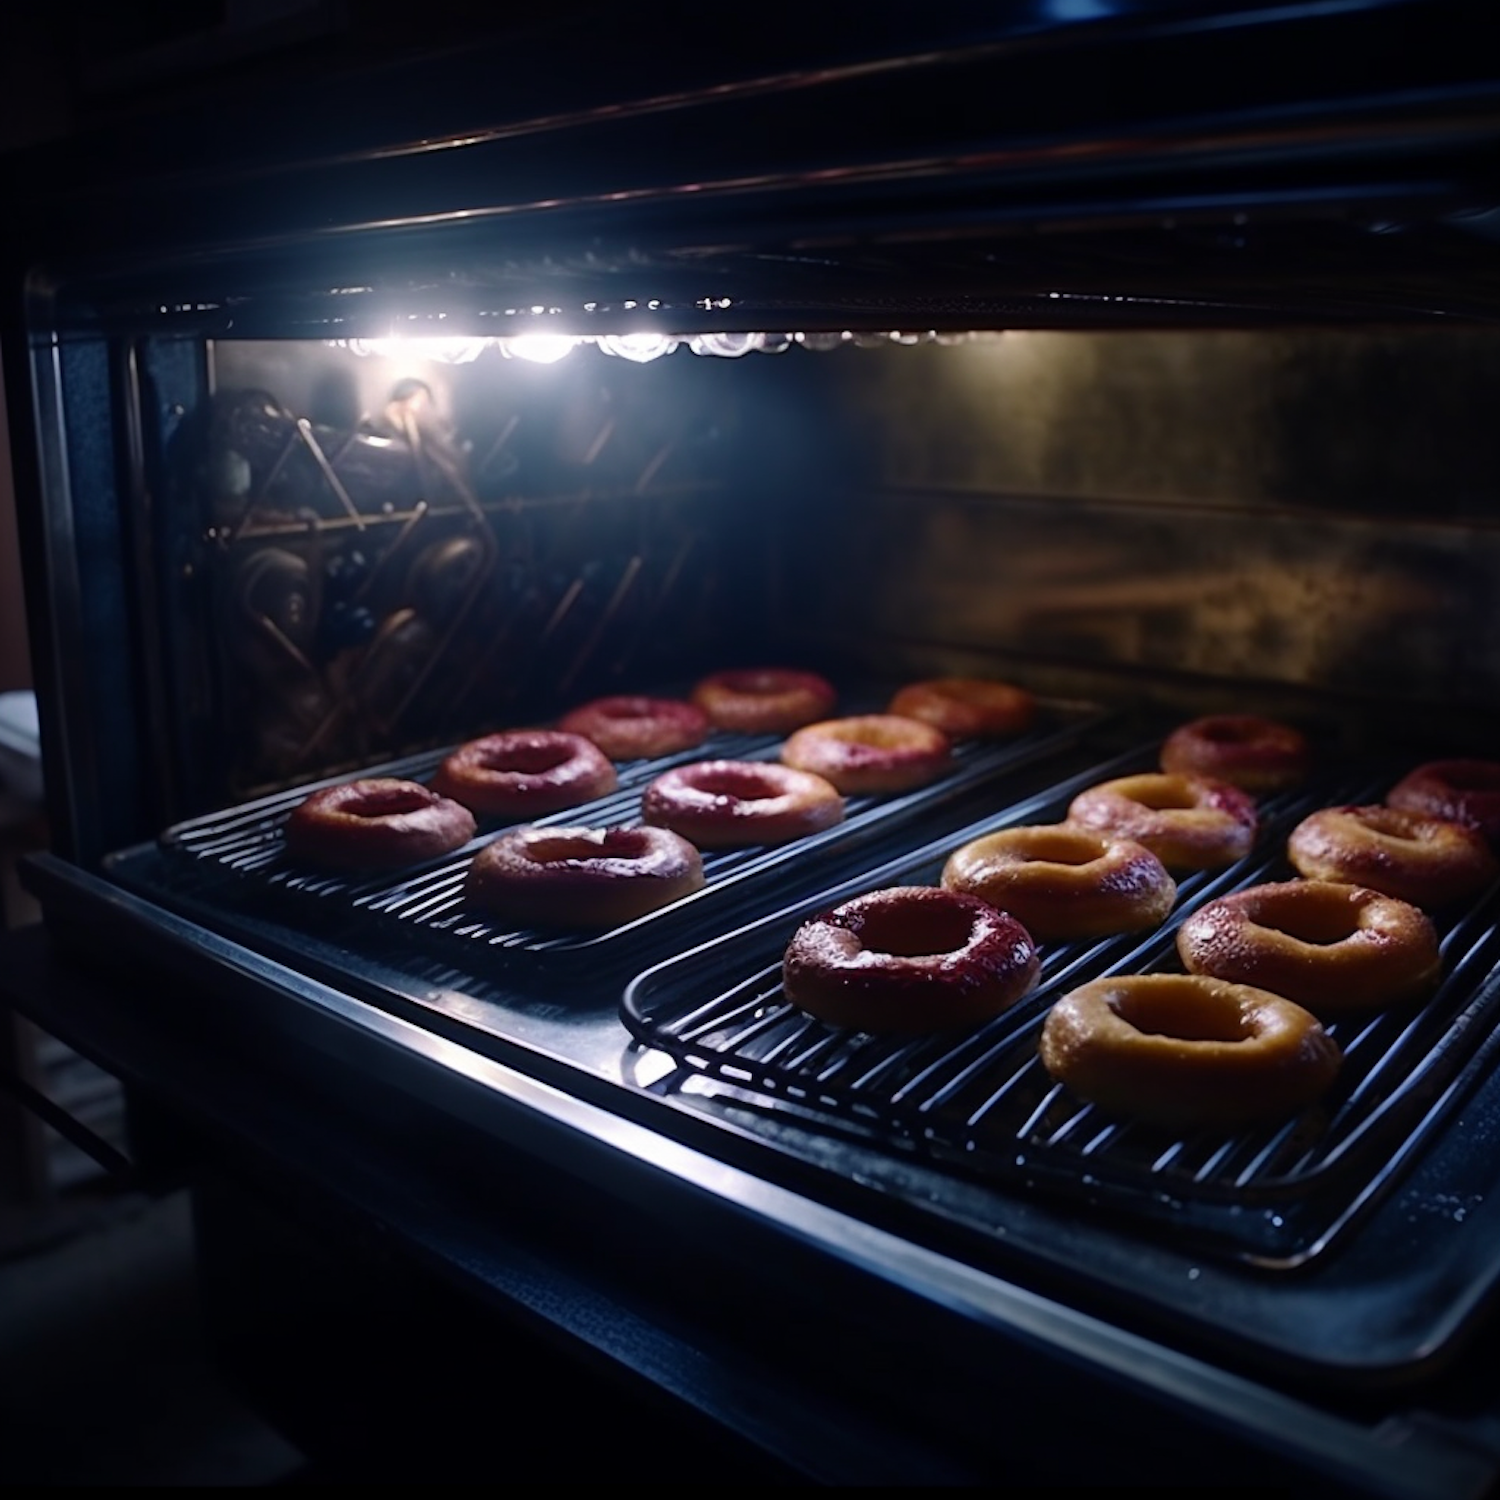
x=1143 y=356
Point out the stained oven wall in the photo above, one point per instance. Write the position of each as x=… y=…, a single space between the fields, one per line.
x=1301 y=518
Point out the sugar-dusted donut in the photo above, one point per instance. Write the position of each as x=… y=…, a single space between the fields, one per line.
x=379 y=823
x=1187 y=1051
x=1334 y=948
x=1427 y=861
x=1062 y=882
x=911 y=959
x=582 y=877
x=870 y=753
x=1187 y=822
x=1460 y=791
x=1257 y=755
x=721 y=804
x=764 y=700
x=631 y=727
x=967 y=708
x=523 y=773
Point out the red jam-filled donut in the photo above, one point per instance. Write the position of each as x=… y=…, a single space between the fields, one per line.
x=524 y=773
x=1331 y=947
x=636 y=728
x=1460 y=791
x=1187 y=822
x=1062 y=882
x=870 y=753
x=909 y=960
x=723 y=804
x=582 y=877
x=764 y=700
x=1188 y=1052
x=380 y=823
x=1426 y=861
x=1257 y=755
x=967 y=708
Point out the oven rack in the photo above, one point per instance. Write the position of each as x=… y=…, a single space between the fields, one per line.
x=246 y=844
x=981 y=1103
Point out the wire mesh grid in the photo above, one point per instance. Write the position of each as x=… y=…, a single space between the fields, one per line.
x=982 y=1101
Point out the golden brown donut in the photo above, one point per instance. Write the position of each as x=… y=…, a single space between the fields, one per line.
x=1459 y=791
x=1062 y=882
x=1331 y=947
x=523 y=773
x=1187 y=1052
x=723 y=804
x=1257 y=755
x=379 y=823
x=908 y=960
x=1187 y=822
x=870 y=753
x=631 y=727
x=1426 y=861
x=967 y=708
x=764 y=700
x=582 y=877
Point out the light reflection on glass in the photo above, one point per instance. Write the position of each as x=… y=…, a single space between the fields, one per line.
x=539 y=348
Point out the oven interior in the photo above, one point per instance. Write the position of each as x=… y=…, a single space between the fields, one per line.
x=334 y=554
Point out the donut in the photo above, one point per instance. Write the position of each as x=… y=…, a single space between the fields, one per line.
x=379 y=823
x=1426 y=861
x=1257 y=755
x=909 y=960
x=636 y=728
x=1062 y=882
x=1334 y=948
x=1187 y=1051
x=724 y=804
x=524 y=773
x=967 y=708
x=1187 y=822
x=870 y=753
x=582 y=877
x=1460 y=791
x=764 y=700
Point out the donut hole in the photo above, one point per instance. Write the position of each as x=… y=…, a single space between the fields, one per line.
x=1391 y=823
x=1179 y=1012
x=388 y=802
x=612 y=843
x=1226 y=732
x=530 y=759
x=743 y=783
x=909 y=931
x=1165 y=797
x=756 y=684
x=1319 y=922
x=1062 y=846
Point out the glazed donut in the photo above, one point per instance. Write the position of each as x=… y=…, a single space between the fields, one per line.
x=582 y=877
x=1186 y=1051
x=967 y=708
x=1334 y=948
x=636 y=728
x=725 y=804
x=1187 y=822
x=1460 y=791
x=911 y=959
x=1426 y=861
x=1254 y=754
x=380 y=823
x=764 y=700
x=524 y=773
x=870 y=753
x=1062 y=882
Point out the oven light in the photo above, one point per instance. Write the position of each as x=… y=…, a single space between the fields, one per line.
x=448 y=351
x=539 y=348
x=640 y=347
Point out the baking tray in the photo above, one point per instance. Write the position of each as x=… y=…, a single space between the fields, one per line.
x=981 y=1103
